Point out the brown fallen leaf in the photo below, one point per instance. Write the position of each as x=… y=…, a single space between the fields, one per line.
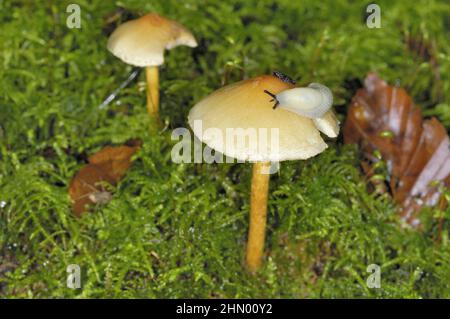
x=106 y=167
x=114 y=160
x=416 y=151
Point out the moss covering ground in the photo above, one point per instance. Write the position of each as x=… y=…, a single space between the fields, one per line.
x=179 y=230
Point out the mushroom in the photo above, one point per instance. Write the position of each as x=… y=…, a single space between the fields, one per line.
x=245 y=105
x=141 y=42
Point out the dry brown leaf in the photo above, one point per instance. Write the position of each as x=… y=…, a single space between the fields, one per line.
x=115 y=160
x=106 y=167
x=417 y=152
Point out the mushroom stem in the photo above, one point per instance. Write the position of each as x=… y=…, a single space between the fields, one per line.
x=152 y=75
x=258 y=214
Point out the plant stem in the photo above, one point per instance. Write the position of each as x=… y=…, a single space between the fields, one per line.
x=258 y=214
x=152 y=75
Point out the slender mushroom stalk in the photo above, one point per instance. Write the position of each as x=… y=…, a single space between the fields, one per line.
x=141 y=42
x=152 y=75
x=279 y=135
x=258 y=214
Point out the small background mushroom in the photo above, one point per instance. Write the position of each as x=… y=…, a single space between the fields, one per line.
x=141 y=42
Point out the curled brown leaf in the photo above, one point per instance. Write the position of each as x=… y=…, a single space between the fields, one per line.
x=417 y=152
x=90 y=183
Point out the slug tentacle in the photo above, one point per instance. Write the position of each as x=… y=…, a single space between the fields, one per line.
x=274 y=98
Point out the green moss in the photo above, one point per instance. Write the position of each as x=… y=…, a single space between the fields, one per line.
x=179 y=230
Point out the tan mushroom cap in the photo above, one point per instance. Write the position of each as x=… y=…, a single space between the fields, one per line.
x=141 y=42
x=244 y=105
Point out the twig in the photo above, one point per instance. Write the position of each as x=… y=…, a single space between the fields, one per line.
x=113 y=95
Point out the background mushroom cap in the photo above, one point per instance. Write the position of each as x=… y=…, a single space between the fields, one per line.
x=245 y=105
x=141 y=42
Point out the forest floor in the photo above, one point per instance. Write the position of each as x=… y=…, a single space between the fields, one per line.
x=179 y=230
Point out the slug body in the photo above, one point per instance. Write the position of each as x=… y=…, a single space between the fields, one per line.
x=312 y=102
